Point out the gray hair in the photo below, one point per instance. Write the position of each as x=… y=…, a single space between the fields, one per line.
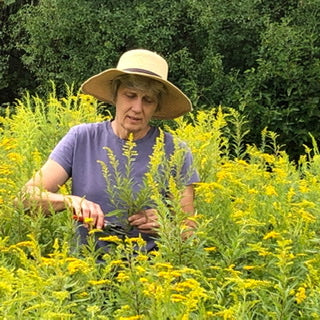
x=137 y=82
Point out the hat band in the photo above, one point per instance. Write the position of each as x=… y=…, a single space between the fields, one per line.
x=142 y=71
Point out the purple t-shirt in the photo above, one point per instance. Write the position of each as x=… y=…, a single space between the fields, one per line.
x=81 y=149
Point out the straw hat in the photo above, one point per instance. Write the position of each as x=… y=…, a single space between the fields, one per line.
x=144 y=63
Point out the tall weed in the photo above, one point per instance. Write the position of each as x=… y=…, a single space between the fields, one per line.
x=254 y=255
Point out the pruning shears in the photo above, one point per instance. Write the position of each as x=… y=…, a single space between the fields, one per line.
x=108 y=226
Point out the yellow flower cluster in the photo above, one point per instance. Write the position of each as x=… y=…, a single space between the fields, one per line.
x=255 y=248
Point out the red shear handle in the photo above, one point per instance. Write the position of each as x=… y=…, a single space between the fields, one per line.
x=77 y=218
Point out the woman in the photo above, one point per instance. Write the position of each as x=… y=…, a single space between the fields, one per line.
x=140 y=91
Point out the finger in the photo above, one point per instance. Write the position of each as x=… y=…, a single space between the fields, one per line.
x=100 y=218
x=91 y=214
x=96 y=215
x=151 y=214
x=138 y=218
x=138 y=221
x=149 y=226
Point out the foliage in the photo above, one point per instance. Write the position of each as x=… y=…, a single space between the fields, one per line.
x=282 y=91
x=255 y=254
x=14 y=76
x=27 y=138
x=260 y=57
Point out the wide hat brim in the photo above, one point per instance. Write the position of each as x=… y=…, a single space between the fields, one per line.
x=174 y=103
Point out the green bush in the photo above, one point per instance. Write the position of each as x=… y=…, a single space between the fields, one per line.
x=282 y=91
x=259 y=57
x=15 y=78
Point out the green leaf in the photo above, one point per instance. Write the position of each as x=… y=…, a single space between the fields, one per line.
x=117 y=212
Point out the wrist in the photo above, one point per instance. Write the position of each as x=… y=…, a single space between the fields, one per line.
x=189 y=222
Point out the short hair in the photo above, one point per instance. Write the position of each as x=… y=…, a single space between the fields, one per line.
x=137 y=82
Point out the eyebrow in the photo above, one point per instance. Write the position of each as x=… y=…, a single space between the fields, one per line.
x=149 y=94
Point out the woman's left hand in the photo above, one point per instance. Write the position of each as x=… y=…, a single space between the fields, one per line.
x=145 y=221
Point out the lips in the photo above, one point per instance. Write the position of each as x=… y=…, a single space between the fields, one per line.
x=134 y=118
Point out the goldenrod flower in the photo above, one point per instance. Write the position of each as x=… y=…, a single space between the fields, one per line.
x=122 y=277
x=239 y=214
x=188 y=284
x=164 y=274
x=110 y=239
x=303 y=186
x=15 y=157
x=154 y=290
x=268 y=157
x=252 y=283
x=163 y=265
x=88 y=220
x=140 y=270
x=131 y=318
x=48 y=261
x=58 y=315
x=305 y=204
x=93 y=309
x=5 y=287
x=116 y=262
x=271 y=235
x=176 y=273
x=99 y=282
x=83 y=294
x=300 y=295
x=210 y=249
x=248 y=267
x=37 y=157
x=178 y=297
x=92 y=231
x=61 y=295
x=306 y=216
x=215 y=268
x=25 y=244
x=140 y=242
x=270 y=191
x=78 y=266
x=142 y=257
x=227 y=314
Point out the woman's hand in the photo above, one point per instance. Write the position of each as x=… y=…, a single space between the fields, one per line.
x=145 y=221
x=87 y=210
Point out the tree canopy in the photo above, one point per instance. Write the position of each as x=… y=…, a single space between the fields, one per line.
x=258 y=56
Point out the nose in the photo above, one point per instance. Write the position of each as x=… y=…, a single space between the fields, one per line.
x=137 y=105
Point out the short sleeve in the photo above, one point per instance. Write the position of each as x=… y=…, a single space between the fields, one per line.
x=184 y=169
x=64 y=151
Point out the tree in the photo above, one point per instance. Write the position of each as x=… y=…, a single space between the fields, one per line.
x=258 y=56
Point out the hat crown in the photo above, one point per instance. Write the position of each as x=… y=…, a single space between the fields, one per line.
x=143 y=61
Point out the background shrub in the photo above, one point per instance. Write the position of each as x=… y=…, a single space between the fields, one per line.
x=259 y=57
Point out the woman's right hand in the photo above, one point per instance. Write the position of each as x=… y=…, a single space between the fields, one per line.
x=86 y=210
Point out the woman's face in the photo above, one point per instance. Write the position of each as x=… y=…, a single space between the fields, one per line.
x=134 y=110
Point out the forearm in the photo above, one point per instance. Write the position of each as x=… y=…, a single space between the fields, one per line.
x=187 y=205
x=33 y=196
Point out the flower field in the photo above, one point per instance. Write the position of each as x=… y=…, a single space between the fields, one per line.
x=255 y=254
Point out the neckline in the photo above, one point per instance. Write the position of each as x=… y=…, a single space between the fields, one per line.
x=122 y=141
